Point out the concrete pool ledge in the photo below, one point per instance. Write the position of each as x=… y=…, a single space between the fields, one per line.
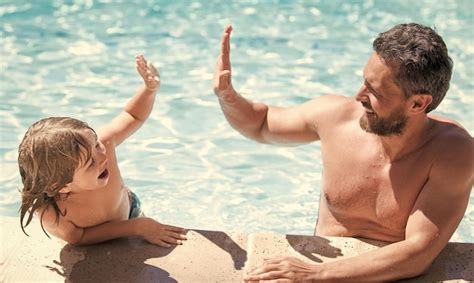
x=207 y=256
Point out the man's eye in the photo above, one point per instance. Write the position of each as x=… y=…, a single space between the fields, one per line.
x=97 y=145
x=373 y=92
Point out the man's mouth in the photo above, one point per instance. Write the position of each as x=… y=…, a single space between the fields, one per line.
x=104 y=174
x=368 y=109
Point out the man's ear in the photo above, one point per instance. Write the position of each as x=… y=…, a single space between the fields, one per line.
x=419 y=103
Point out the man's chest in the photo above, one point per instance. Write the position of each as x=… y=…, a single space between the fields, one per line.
x=358 y=183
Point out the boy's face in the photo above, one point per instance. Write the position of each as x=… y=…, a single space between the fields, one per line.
x=93 y=174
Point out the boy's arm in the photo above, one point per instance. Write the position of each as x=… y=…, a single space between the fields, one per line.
x=148 y=228
x=434 y=218
x=138 y=109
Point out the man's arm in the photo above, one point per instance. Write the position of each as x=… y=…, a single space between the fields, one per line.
x=138 y=109
x=434 y=218
x=258 y=121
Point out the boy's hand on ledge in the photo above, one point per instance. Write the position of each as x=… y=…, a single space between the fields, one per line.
x=161 y=234
x=148 y=72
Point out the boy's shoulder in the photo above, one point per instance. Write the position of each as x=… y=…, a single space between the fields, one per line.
x=58 y=223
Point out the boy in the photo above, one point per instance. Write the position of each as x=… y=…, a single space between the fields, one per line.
x=71 y=178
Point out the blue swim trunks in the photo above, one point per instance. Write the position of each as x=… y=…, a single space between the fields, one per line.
x=135 y=205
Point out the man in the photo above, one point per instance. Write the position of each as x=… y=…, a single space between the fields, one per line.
x=391 y=171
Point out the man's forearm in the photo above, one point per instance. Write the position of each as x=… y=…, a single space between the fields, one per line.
x=246 y=117
x=394 y=261
x=141 y=104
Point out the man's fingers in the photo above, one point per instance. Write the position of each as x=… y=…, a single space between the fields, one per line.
x=228 y=31
x=264 y=268
x=225 y=48
x=264 y=276
x=222 y=73
x=277 y=259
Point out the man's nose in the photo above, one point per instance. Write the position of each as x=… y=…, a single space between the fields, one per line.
x=361 y=95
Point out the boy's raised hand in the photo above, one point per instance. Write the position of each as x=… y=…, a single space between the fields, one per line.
x=149 y=73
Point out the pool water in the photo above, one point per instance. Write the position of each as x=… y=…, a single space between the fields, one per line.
x=189 y=167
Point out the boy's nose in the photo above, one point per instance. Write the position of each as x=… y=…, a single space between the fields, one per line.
x=102 y=148
x=101 y=155
x=101 y=160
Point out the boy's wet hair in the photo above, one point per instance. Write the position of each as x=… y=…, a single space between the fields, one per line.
x=420 y=58
x=48 y=155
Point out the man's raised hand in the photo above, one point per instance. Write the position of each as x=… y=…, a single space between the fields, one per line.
x=222 y=74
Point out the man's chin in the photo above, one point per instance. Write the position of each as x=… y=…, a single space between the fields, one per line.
x=380 y=129
x=364 y=124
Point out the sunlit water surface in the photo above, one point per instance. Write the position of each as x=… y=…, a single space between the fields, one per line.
x=189 y=167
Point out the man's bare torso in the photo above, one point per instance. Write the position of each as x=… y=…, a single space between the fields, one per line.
x=364 y=194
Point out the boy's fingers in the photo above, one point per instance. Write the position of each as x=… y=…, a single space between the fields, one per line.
x=174 y=228
x=177 y=236
x=172 y=240
x=162 y=243
x=152 y=67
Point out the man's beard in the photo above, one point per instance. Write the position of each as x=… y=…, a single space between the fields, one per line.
x=394 y=124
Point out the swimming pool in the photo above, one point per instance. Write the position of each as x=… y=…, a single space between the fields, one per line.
x=76 y=58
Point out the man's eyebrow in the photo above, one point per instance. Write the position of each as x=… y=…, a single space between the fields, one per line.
x=366 y=83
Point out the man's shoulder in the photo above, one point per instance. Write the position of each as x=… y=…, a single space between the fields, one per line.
x=334 y=99
x=452 y=152
x=335 y=106
x=453 y=143
x=450 y=132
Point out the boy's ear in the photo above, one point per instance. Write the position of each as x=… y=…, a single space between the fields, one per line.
x=419 y=103
x=67 y=189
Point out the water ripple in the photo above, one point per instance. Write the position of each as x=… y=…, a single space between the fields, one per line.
x=188 y=165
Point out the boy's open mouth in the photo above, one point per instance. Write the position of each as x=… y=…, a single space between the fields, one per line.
x=104 y=174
